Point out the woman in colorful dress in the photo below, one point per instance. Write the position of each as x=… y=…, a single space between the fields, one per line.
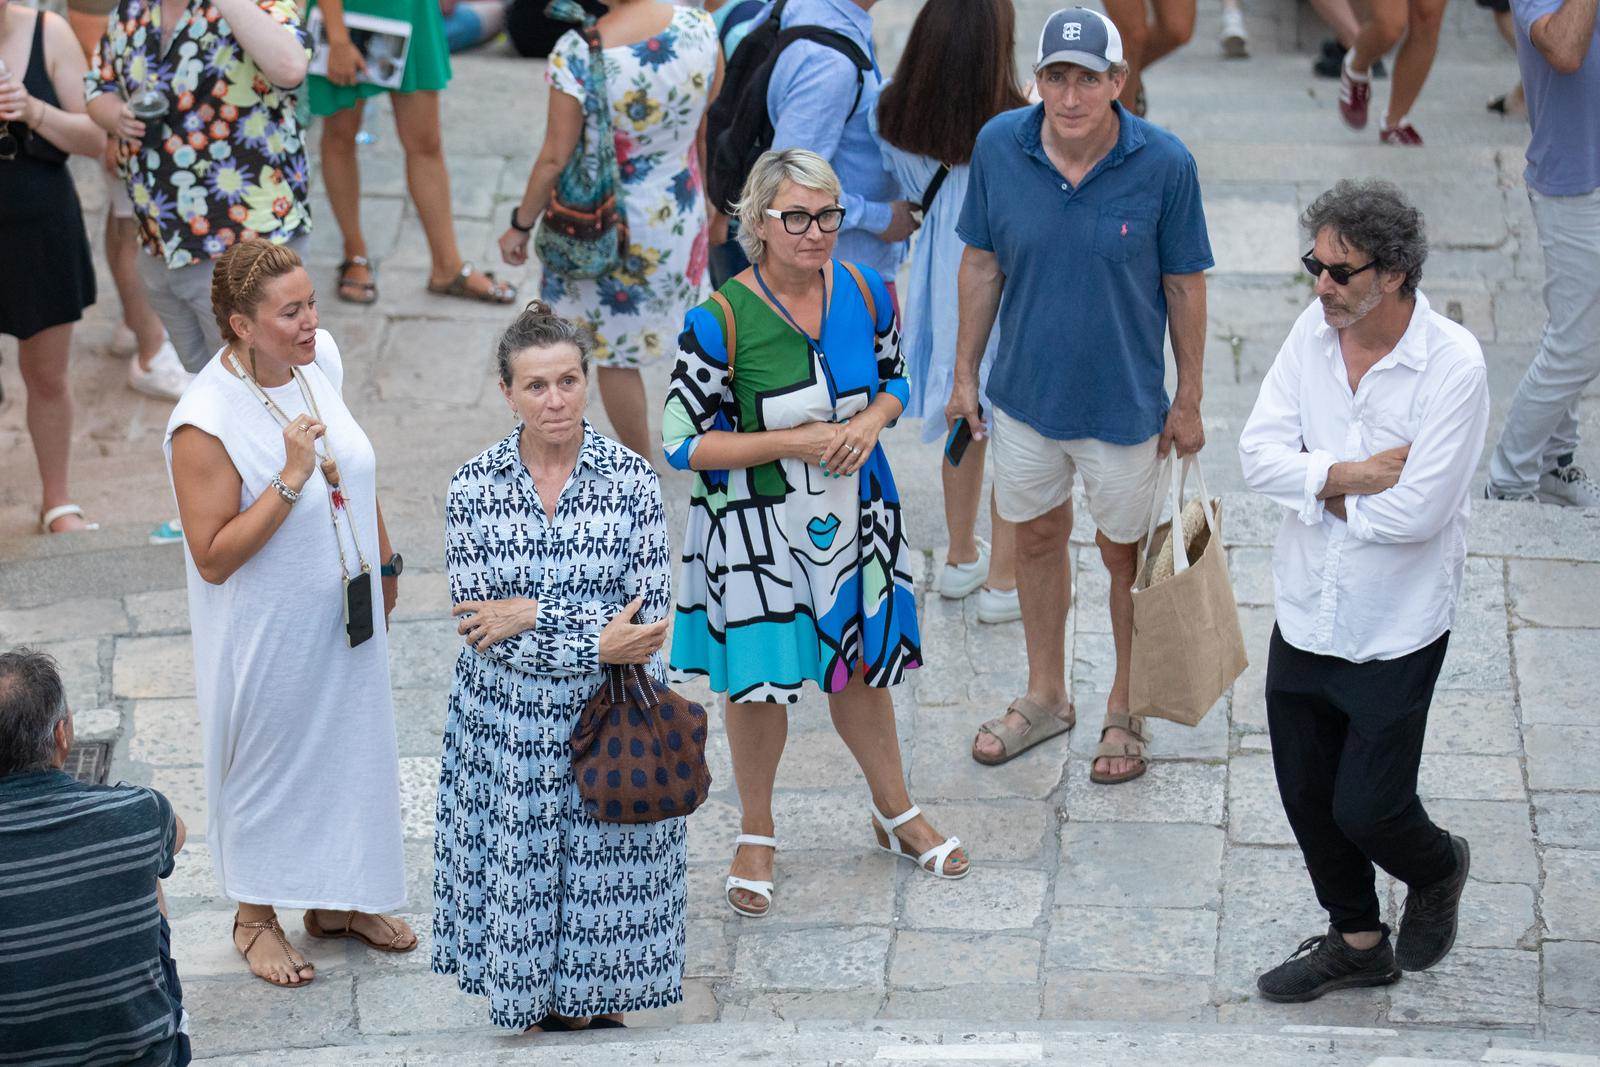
x=340 y=99
x=795 y=565
x=555 y=540
x=662 y=70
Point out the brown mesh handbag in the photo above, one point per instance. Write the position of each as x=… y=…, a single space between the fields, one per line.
x=639 y=750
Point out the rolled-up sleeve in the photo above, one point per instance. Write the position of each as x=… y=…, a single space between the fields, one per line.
x=1272 y=448
x=1438 y=468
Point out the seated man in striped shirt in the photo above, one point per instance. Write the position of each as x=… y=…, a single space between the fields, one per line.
x=86 y=972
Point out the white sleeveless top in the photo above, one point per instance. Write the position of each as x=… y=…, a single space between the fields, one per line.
x=301 y=767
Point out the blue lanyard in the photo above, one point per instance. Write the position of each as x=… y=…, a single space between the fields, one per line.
x=813 y=343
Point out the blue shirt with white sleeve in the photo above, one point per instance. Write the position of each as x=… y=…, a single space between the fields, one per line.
x=1083 y=315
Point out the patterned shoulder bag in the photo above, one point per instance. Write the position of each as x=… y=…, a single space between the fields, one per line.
x=583 y=233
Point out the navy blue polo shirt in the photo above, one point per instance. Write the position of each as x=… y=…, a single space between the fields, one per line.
x=1083 y=317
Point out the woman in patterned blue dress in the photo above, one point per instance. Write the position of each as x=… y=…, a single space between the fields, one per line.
x=555 y=542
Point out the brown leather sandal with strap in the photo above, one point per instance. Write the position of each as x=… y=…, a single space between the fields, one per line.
x=1135 y=749
x=398 y=935
x=271 y=925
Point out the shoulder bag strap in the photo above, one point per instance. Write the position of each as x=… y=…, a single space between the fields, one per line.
x=933 y=186
x=866 y=291
x=730 y=330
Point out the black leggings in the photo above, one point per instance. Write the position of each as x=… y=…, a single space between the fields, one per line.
x=1346 y=743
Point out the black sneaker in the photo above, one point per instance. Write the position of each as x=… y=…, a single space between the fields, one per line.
x=1325 y=963
x=1331 y=62
x=1428 y=923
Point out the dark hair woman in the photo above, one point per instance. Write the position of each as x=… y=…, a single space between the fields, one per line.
x=957 y=72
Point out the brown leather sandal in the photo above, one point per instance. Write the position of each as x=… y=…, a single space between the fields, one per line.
x=1135 y=749
x=271 y=925
x=316 y=929
x=499 y=292
x=1043 y=724
x=352 y=291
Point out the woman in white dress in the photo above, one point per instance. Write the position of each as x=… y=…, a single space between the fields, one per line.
x=302 y=771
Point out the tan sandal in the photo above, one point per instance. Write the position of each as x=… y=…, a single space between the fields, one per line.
x=262 y=927
x=316 y=929
x=1043 y=724
x=1135 y=749
x=352 y=291
x=499 y=292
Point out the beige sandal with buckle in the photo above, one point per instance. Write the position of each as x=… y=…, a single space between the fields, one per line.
x=396 y=939
x=1135 y=749
x=1043 y=724
x=499 y=292
x=271 y=925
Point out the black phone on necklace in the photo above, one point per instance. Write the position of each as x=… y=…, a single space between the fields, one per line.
x=358 y=607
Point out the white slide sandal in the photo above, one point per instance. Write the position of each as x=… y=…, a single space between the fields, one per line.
x=61 y=511
x=751 y=885
x=938 y=853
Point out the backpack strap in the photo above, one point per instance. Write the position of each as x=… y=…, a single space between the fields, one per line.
x=866 y=291
x=829 y=39
x=730 y=330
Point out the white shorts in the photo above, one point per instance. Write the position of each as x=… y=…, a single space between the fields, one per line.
x=117 y=197
x=1033 y=474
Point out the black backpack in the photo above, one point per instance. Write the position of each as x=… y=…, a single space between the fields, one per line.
x=738 y=128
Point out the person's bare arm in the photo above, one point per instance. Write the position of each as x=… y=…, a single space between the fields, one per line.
x=563 y=127
x=1563 y=36
x=273 y=47
x=727 y=450
x=1186 y=321
x=391 y=582
x=344 y=58
x=979 y=283
x=68 y=127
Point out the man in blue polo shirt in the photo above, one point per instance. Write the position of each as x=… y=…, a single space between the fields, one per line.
x=1084 y=234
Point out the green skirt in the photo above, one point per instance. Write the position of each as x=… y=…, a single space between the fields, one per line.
x=427 y=64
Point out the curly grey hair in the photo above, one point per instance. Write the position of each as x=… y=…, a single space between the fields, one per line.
x=1375 y=217
x=540 y=327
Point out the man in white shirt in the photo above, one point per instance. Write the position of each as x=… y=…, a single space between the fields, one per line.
x=1368 y=430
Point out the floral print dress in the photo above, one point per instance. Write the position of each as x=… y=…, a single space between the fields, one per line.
x=658 y=91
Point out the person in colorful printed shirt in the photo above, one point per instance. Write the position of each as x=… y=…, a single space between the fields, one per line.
x=226 y=161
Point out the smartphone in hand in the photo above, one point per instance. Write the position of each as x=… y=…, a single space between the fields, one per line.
x=955 y=446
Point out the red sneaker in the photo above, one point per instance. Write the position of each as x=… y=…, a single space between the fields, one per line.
x=1405 y=134
x=1354 y=97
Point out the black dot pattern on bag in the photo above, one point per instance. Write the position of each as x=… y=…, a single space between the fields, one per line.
x=649 y=771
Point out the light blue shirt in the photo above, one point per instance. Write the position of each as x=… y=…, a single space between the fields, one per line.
x=1563 y=110
x=808 y=98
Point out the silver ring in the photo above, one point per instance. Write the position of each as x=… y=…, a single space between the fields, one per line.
x=853 y=449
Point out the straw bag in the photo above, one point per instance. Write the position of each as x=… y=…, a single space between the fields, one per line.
x=638 y=751
x=1187 y=646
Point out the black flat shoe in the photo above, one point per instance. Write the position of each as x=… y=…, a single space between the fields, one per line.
x=554 y=1024
x=601 y=1023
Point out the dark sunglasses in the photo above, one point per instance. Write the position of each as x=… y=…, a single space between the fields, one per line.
x=797 y=222
x=1341 y=274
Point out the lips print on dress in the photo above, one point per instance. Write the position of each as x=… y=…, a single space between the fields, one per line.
x=822 y=531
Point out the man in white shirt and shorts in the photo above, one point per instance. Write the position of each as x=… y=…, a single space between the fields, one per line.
x=1368 y=430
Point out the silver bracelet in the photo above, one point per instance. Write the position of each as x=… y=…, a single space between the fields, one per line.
x=283 y=490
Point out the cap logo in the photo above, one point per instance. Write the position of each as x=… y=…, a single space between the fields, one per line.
x=1072 y=31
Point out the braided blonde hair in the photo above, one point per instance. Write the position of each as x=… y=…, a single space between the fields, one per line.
x=240 y=275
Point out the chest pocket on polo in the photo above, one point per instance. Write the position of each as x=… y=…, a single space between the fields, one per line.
x=1125 y=231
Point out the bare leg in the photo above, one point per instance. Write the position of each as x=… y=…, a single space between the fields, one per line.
x=42 y=359
x=1044 y=598
x=756 y=735
x=1415 y=60
x=122 y=257
x=1384 y=25
x=864 y=717
x=371 y=925
x=1341 y=19
x=1121 y=561
x=963 y=492
x=622 y=393
x=341 y=174
x=1002 y=551
x=1170 y=30
x=266 y=956
x=1130 y=20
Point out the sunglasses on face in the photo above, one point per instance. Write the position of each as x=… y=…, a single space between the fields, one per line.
x=1340 y=273
x=797 y=222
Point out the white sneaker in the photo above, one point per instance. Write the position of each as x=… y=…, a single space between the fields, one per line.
x=166 y=377
x=996 y=605
x=124 y=342
x=1570 y=487
x=1235 y=41
x=1491 y=493
x=959 y=580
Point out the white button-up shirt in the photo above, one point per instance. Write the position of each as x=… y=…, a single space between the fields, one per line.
x=1385 y=582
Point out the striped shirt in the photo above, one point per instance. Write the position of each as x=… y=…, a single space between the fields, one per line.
x=81 y=974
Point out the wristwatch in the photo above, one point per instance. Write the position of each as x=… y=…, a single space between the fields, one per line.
x=393 y=567
x=515 y=225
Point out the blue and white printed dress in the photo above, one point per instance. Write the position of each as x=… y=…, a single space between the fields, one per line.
x=536 y=905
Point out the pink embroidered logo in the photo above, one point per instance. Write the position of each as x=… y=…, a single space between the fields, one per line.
x=1124 y=229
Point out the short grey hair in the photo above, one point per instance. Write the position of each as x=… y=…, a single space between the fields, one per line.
x=1375 y=217
x=540 y=327
x=32 y=702
x=805 y=169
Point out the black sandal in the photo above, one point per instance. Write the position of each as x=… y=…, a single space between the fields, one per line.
x=554 y=1024
x=368 y=290
x=600 y=1022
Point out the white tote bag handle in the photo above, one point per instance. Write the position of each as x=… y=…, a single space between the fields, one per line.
x=1180 y=551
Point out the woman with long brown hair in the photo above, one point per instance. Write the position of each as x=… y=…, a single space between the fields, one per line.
x=957 y=72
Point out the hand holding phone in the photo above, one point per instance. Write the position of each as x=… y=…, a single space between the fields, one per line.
x=955 y=446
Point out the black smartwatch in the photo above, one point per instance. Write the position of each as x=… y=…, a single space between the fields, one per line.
x=515 y=225
x=393 y=567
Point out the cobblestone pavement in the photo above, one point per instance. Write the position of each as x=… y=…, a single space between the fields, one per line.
x=1154 y=903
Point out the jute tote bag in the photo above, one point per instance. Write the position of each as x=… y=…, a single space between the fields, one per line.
x=1187 y=647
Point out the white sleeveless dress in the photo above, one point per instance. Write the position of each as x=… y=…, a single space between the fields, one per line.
x=302 y=770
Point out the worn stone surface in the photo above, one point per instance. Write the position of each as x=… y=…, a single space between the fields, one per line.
x=1255 y=811
x=1150 y=865
x=1169 y=792
x=153 y=667
x=925 y=960
x=1569 y=970
x=1568 y=820
x=839 y=959
x=1494 y=987
x=1156 y=998
x=1555 y=593
x=1562 y=757
x=1570 y=899
x=1552 y=691
x=167 y=732
x=1136 y=940
x=990 y=898
x=1464 y=722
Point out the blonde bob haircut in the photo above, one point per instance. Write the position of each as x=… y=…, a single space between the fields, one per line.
x=806 y=169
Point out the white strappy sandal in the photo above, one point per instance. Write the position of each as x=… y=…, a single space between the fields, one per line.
x=750 y=885
x=61 y=511
x=938 y=853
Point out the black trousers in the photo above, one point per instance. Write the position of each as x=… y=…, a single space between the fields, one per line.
x=1346 y=743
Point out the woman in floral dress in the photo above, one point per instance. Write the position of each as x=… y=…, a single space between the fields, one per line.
x=662 y=69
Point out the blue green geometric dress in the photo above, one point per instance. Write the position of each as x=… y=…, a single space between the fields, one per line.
x=787 y=575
